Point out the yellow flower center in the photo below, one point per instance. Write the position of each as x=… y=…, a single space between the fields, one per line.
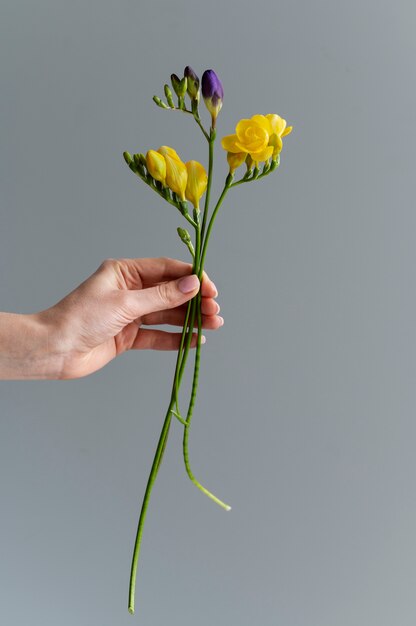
x=251 y=137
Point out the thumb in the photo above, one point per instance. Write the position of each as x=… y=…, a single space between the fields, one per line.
x=164 y=296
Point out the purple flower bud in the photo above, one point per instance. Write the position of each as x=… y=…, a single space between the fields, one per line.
x=193 y=83
x=213 y=93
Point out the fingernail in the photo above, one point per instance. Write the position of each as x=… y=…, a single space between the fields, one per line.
x=203 y=339
x=216 y=290
x=188 y=283
x=221 y=320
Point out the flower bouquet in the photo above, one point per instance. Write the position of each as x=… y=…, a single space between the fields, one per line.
x=257 y=144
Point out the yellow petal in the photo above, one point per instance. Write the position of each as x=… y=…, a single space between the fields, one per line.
x=235 y=159
x=277 y=123
x=251 y=136
x=176 y=176
x=166 y=151
x=229 y=143
x=264 y=122
x=263 y=155
x=156 y=166
x=197 y=182
x=241 y=128
x=277 y=144
x=287 y=131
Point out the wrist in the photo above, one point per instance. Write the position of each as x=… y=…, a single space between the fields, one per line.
x=29 y=347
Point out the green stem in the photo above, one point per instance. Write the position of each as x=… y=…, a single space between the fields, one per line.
x=210 y=174
x=180 y=361
x=196 y=117
x=201 y=254
x=227 y=186
x=185 y=344
x=161 y=194
x=185 y=444
x=152 y=477
x=265 y=172
x=198 y=121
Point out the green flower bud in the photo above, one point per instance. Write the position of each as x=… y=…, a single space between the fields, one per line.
x=193 y=83
x=160 y=102
x=127 y=157
x=183 y=207
x=183 y=85
x=186 y=238
x=176 y=81
x=179 y=85
x=275 y=163
x=169 y=98
x=184 y=235
x=139 y=164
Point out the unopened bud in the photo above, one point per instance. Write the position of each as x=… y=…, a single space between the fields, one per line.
x=160 y=102
x=184 y=235
x=140 y=163
x=169 y=98
x=186 y=238
x=213 y=93
x=193 y=83
x=176 y=81
x=183 y=85
x=275 y=163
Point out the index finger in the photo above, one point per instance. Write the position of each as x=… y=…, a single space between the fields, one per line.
x=208 y=288
x=147 y=272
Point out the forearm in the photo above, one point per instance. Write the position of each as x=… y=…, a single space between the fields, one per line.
x=27 y=348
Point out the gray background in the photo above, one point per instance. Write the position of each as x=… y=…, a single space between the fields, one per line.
x=305 y=416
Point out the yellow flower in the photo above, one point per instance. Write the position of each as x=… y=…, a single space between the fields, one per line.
x=235 y=159
x=260 y=137
x=197 y=182
x=176 y=172
x=156 y=166
x=166 y=151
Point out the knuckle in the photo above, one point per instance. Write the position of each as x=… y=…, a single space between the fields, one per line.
x=107 y=263
x=164 y=294
x=165 y=261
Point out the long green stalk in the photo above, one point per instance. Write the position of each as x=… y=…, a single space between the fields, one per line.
x=194 y=309
x=190 y=413
x=149 y=487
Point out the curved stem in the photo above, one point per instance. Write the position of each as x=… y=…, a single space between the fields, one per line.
x=196 y=117
x=198 y=121
x=190 y=412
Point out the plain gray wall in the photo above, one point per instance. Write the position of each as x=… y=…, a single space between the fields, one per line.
x=305 y=418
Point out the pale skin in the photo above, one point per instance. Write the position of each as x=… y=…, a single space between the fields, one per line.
x=103 y=317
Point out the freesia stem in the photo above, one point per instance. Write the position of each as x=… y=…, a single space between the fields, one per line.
x=179 y=371
x=210 y=174
x=190 y=412
x=211 y=222
x=194 y=308
x=152 y=477
x=180 y=364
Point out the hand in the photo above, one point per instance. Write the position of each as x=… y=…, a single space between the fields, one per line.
x=105 y=315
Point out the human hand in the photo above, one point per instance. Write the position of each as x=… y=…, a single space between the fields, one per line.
x=105 y=315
